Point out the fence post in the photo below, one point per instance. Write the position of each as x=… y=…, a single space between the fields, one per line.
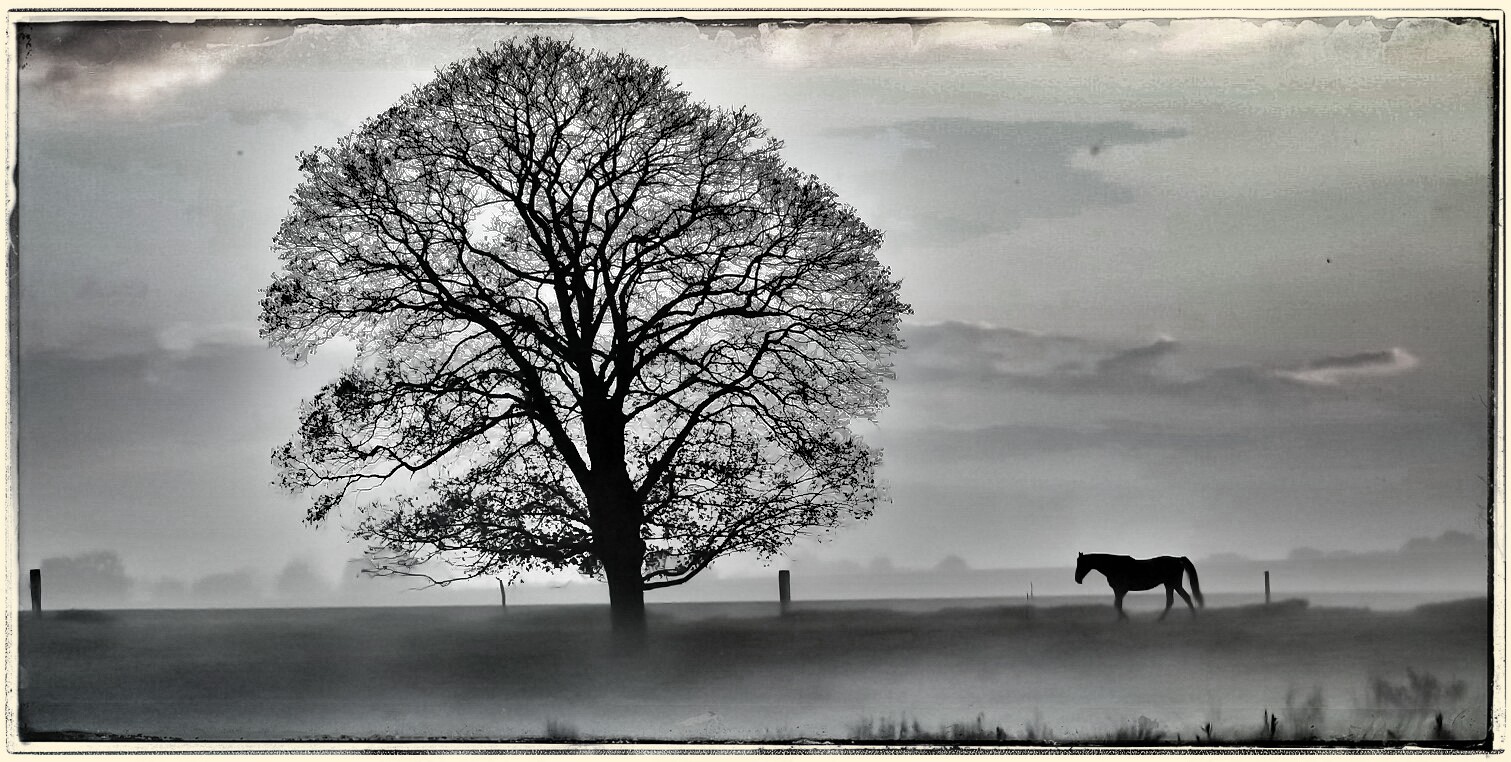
x=1267 y=587
x=784 y=588
x=36 y=592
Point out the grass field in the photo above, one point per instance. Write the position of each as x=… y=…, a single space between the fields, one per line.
x=1064 y=674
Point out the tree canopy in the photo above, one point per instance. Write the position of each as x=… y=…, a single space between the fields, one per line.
x=600 y=326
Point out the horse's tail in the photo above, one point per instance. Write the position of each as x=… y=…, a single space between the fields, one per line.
x=1195 y=586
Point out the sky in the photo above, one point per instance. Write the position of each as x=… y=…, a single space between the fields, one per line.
x=1180 y=287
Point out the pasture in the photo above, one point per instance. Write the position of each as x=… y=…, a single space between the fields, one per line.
x=1064 y=674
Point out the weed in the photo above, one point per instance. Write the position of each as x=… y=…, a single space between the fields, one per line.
x=1439 y=733
x=874 y=729
x=1142 y=730
x=1306 y=718
x=975 y=731
x=1303 y=722
x=905 y=729
x=1414 y=709
x=1421 y=692
x=1036 y=729
x=559 y=730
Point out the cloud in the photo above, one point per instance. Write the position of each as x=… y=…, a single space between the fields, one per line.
x=1332 y=371
x=933 y=444
x=1138 y=360
x=975 y=353
x=1304 y=46
x=170 y=343
x=957 y=178
x=1201 y=38
x=963 y=351
x=183 y=338
x=954 y=350
x=122 y=64
x=820 y=43
x=1424 y=443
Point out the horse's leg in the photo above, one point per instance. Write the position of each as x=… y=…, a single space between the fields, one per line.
x=1117 y=601
x=1169 y=601
x=1182 y=590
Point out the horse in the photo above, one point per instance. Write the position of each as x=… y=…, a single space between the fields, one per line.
x=1125 y=573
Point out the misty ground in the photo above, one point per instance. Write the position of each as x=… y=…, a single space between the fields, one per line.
x=1067 y=674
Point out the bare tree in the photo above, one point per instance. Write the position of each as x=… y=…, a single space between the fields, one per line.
x=603 y=325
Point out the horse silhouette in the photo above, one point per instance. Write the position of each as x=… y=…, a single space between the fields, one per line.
x=1125 y=573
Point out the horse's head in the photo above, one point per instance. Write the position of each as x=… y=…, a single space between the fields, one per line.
x=1082 y=567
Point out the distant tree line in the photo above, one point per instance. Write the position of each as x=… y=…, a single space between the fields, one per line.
x=99 y=579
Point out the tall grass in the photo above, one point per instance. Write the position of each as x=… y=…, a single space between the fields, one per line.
x=1421 y=709
x=904 y=729
x=560 y=730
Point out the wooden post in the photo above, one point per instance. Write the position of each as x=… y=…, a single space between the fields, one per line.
x=784 y=588
x=1267 y=587
x=503 y=598
x=36 y=592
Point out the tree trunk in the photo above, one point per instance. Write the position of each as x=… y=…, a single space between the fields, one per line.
x=626 y=597
x=615 y=512
x=621 y=553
